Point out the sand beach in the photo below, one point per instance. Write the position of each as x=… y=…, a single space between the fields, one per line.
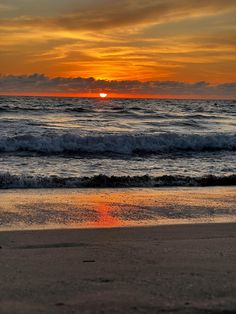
x=165 y=268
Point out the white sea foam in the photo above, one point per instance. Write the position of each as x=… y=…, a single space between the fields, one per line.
x=117 y=143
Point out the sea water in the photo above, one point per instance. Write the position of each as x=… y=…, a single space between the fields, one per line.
x=80 y=142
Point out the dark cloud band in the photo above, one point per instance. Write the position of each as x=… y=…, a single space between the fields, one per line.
x=39 y=83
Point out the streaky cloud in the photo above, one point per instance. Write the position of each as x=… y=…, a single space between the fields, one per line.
x=105 y=15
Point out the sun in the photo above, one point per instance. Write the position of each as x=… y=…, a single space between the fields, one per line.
x=103 y=95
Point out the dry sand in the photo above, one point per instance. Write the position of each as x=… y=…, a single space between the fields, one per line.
x=162 y=269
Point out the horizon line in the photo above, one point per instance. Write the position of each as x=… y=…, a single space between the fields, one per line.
x=117 y=96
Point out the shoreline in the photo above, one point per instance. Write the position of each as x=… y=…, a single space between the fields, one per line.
x=19 y=182
x=161 y=269
x=94 y=188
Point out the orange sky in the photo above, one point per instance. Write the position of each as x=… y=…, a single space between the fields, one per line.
x=153 y=40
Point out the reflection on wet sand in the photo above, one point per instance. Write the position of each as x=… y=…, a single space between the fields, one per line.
x=105 y=217
x=86 y=208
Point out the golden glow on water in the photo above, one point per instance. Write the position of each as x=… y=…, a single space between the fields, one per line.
x=87 y=208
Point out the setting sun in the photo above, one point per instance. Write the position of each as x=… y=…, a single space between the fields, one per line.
x=103 y=95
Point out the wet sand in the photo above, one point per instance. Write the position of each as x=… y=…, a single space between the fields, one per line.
x=162 y=269
x=101 y=208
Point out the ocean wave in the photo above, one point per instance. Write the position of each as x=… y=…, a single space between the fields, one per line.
x=78 y=109
x=8 y=181
x=127 y=144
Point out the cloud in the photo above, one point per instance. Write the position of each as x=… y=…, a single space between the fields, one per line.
x=107 y=15
x=6 y=7
x=180 y=40
x=39 y=83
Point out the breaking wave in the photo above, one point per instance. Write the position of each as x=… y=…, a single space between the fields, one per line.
x=117 y=143
x=8 y=181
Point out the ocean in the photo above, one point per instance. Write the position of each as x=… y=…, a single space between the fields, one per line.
x=50 y=142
